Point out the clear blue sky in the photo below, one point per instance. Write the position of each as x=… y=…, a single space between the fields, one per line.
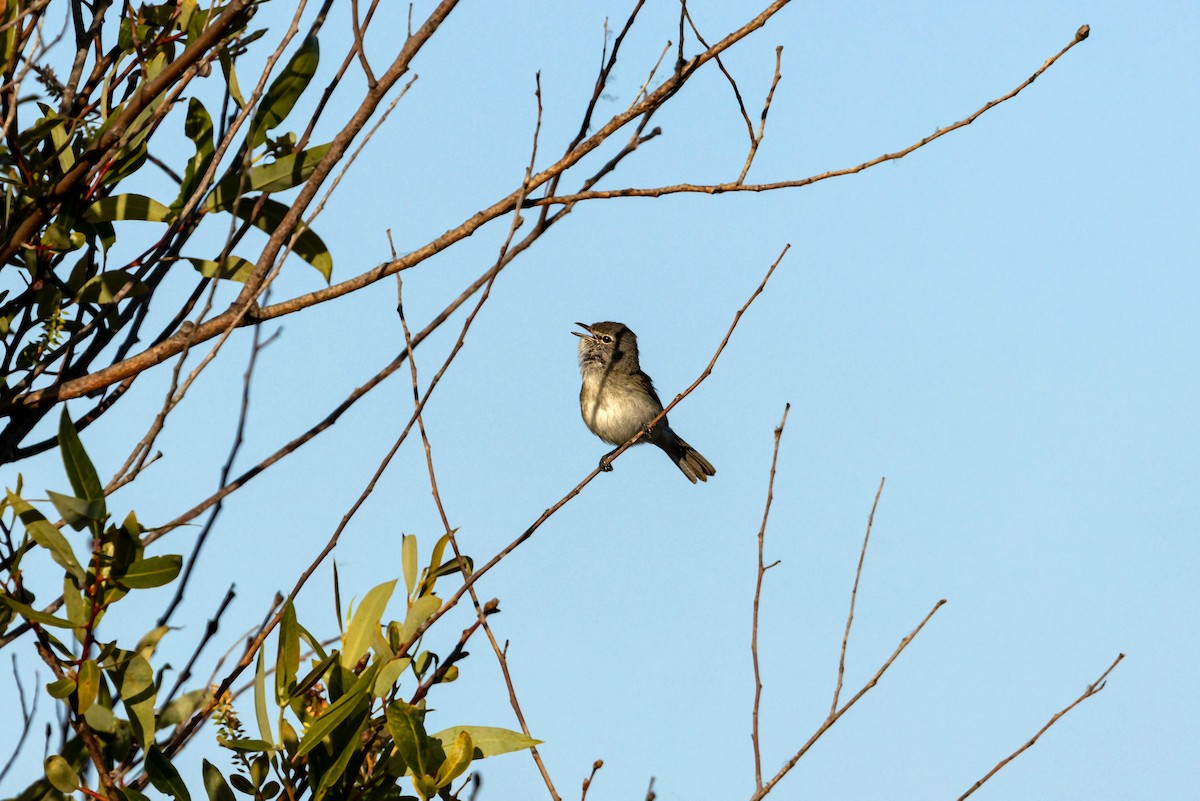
x=1004 y=324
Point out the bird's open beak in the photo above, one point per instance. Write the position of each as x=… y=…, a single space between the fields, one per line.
x=587 y=328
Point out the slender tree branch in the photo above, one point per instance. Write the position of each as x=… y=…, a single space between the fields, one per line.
x=862 y=556
x=1091 y=690
x=762 y=570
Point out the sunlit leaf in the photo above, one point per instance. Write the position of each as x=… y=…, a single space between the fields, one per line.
x=287 y=663
x=233 y=268
x=408 y=559
x=488 y=740
x=459 y=754
x=61 y=775
x=127 y=207
x=88 y=681
x=260 y=698
x=137 y=693
x=405 y=724
x=358 y=638
x=29 y=613
x=43 y=532
x=282 y=173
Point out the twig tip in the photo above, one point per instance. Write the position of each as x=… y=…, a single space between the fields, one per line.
x=1083 y=32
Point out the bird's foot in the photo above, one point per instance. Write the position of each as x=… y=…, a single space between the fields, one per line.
x=605 y=464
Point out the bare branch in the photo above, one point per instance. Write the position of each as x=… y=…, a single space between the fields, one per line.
x=862 y=556
x=1091 y=690
x=762 y=570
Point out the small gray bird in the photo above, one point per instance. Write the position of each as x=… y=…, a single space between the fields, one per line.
x=618 y=400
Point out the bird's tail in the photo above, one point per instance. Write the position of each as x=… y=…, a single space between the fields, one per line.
x=686 y=458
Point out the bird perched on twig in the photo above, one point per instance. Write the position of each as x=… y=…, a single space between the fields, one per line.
x=618 y=399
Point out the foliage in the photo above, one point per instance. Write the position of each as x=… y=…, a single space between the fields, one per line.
x=332 y=724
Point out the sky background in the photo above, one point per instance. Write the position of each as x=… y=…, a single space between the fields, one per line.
x=1004 y=324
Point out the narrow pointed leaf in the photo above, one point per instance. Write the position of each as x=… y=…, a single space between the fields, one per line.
x=282 y=173
x=307 y=246
x=358 y=638
x=127 y=207
x=46 y=535
x=214 y=784
x=285 y=90
x=164 y=776
x=152 y=571
x=488 y=740
x=404 y=722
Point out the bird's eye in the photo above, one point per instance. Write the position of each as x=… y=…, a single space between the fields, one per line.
x=606 y=338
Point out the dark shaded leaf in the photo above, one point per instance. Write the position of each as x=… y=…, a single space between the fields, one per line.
x=285 y=90
x=152 y=571
x=214 y=783
x=164 y=776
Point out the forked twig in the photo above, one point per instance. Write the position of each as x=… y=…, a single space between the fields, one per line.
x=1091 y=690
x=762 y=569
x=854 y=596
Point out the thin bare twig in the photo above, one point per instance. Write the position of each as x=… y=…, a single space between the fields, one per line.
x=761 y=792
x=762 y=570
x=733 y=186
x=853 y=596
x=27 y=715
x=1091 y=690
x=587 y=783
x=755 y=141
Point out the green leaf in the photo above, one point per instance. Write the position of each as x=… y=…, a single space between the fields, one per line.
x=287 y=663
x=214 y=783
x=260 y=697
x=127 y=207
x=29 y=613
x=78 y=609
x=248 y=744
x=408 y=558
x=104 y=288
x=88 y=681
x=285 y=90
x=405 y=723
x=488 y=740
x=137 y=693
x=164 y=776
x=46 y=535
x=152 y=571
x=182 y=707
x=282 y=173
x=358 y=637
x=353 y=702
x=101 y=718
x=77 y=512
x=150 y=640
x=307 y=246
x=458 y=758
x=335 y=772
x=85 y=482
x=418 y=613
x=61 y=775
x=389 y=674
x=61 y=688
x=233 y=268
x=199 y=128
